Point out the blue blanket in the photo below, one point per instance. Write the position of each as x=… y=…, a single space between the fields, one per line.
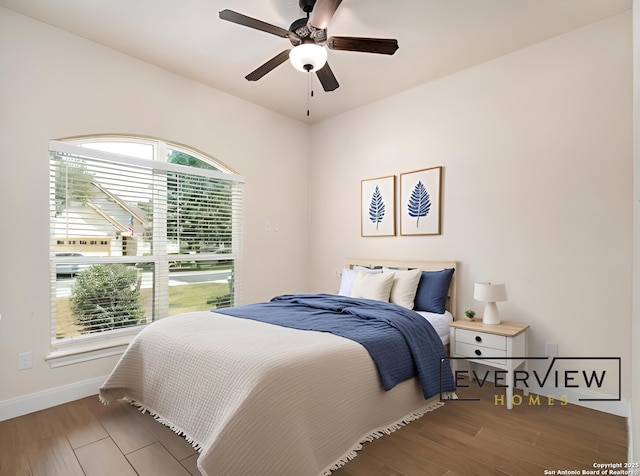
x=401 y=342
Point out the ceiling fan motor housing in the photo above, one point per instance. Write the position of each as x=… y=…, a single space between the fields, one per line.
x=299 y=27
x=306 y=32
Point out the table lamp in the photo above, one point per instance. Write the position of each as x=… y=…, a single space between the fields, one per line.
x=490 y=293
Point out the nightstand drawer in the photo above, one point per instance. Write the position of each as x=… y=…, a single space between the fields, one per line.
x=481 y=339
x=478 y=352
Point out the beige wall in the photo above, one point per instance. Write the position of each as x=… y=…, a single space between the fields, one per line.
x=537 y=185
x=54 y=85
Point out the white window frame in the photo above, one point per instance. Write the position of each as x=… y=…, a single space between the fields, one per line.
x=114 y=342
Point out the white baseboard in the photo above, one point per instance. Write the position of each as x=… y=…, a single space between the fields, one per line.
x=33 y=402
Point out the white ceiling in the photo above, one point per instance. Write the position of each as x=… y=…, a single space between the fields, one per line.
x=436 y=38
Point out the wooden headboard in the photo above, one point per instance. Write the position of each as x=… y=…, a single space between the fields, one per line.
x=423 y=265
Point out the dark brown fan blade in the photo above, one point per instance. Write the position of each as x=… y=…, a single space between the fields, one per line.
x=274 y=62
x=383 y=46
x=323 y=12
x=327 y=78
x=244 y=20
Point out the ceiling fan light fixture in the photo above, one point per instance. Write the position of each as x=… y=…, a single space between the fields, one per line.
x=308 y=57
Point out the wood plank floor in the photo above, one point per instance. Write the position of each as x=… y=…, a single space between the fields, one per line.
x=461 y=438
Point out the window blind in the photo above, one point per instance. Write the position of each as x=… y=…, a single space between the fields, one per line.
x=134 y=240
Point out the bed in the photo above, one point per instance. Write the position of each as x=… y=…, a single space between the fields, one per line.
x=256 y=398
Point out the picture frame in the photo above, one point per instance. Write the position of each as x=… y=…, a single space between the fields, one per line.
x=420 y=202
x=378 y=206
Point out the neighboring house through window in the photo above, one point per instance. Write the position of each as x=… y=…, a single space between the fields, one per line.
x=141 y=229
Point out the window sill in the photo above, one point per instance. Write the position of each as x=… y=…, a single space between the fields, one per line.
x=83 y=352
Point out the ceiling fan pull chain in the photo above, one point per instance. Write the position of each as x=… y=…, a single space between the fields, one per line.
x=309 y=90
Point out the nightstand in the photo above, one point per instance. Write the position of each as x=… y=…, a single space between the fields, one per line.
x=502 y=346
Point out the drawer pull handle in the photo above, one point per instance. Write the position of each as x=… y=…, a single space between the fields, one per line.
x=478 y=352
x=478 y=339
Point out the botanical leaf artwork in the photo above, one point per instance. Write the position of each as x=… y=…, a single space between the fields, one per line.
x=419 y=202
x=376 y=207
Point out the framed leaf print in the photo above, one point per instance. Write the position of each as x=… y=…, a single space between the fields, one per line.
x=378 y=204
x=420 y=202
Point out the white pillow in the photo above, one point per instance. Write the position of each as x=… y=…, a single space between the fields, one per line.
x=346 y=282
x=372 y=286
x=349 y=275
x=405 y=285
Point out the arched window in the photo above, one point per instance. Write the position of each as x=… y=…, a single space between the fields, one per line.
x=141 y=229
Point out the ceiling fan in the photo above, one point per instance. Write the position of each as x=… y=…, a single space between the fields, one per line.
x=308 y=37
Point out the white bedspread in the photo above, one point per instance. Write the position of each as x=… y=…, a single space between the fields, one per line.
x=259 y=399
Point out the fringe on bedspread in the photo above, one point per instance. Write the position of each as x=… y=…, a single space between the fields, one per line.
x=379 y=433
x=348 y=456
x=141 y=408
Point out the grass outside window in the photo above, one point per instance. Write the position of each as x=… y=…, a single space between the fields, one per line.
x=182 y=298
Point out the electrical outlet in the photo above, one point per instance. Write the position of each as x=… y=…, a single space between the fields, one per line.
x=551 y=349
x=25 y=360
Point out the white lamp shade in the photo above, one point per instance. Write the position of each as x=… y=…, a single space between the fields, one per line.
x=308 y=57
x=490 y=293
